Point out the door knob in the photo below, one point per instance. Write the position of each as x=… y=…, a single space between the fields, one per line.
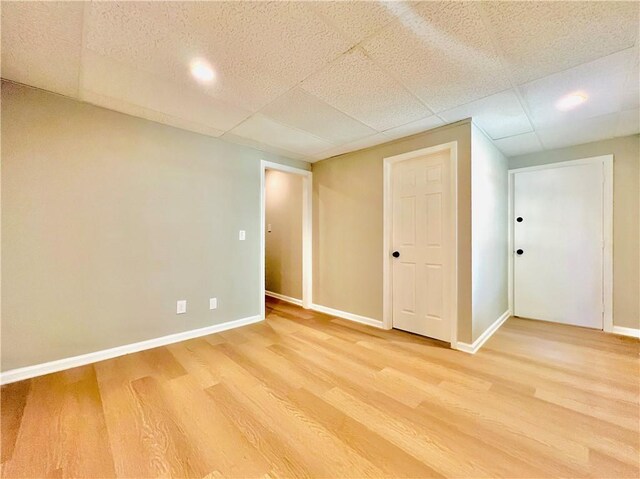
x=519 y=219
x=519 y=251
x=396 y=254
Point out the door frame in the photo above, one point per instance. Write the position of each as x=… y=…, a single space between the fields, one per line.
x=387 y=242
x=607 y=224
x=307 y=232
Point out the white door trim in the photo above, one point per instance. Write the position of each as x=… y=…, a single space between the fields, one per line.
x=387 y=290
x=607 y=224
x=307 y=189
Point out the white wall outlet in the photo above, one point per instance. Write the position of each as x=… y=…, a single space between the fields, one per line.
x=213 y=303
x=181 y=306
x=269 y=228
x=242 y=235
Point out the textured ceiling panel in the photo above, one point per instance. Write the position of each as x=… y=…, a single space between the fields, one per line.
x=141 y=112
x=257 y=145
x=41 y=44
x=601 y=80
x=519 y=144
x=356 y=86
x=300 y=109
x=442 y=53
x=499 y=115
x=358 y=20
x=413 y=127
x=265 y=130
x=631 y=94
x=107 y=77
x=628 y=123
x=258 y=49
x=372 y=140
x=579 y=131
x=539 y=38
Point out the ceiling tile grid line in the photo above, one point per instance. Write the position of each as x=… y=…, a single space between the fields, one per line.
x=400 y=82
x=286 y=125
x=299 y=86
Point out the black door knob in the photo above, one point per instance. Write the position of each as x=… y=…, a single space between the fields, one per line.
x=519 y=251
x=519 y=219
x=396 y=254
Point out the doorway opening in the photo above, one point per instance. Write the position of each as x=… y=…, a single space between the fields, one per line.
x=286 y=234
x=561 y=242
x=420 y=242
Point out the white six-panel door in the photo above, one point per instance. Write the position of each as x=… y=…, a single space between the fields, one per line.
x=421 y=211
x=558 y=242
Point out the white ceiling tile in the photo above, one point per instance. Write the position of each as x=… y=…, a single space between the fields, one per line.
x=264 y=130
x=631 y=94
x=413 y=127
x=141 y=112
x=579 y=131
x=539 y=38
x=258 y=49
x=367 y=142
x=257 y=145
x=41 y=44
x=300 y=109
x=442 y=52
x=107 y=77
x=358 y=20
x=499 y=115
x=628 y=123
x=356 y=86
x=519 y=144
x=602 y=80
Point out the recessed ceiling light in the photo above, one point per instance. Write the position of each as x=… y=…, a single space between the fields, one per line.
x=202 y=71
x=570 y=101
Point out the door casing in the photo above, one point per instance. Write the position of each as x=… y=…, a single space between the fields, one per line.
x=387 y=289
x=307 y=234
x=607 y=223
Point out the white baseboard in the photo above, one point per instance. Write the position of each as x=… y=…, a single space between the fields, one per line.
x=634 y=333
x=27 y=372
x=288 y=299
x=477 y=344
x=349 y=316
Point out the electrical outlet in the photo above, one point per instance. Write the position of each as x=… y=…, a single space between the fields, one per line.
x=213 y=303
x=181 y=306
x=242 y=235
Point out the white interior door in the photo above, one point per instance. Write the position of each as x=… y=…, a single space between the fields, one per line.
x=421 y=209
x=558 y=244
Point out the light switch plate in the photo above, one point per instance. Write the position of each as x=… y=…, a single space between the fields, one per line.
x=242 y=235
x=213 y=303
x=181 y=306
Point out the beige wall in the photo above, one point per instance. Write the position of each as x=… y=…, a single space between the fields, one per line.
x=626 y=215
x=347 y=225
x=283 y=245
x=489 y=232
x=108 y=219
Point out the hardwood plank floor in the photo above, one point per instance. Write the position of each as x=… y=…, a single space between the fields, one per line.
x=307 y=395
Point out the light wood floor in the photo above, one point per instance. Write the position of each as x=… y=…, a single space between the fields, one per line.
x=305 y=395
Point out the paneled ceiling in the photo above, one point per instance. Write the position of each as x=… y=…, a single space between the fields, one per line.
x=310 y=80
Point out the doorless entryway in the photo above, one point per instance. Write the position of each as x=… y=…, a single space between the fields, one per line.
x=561 y=238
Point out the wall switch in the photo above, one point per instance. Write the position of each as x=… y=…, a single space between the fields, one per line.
x=269 y=228
x=213 y=303
x=242 y=235
x=181 y=306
